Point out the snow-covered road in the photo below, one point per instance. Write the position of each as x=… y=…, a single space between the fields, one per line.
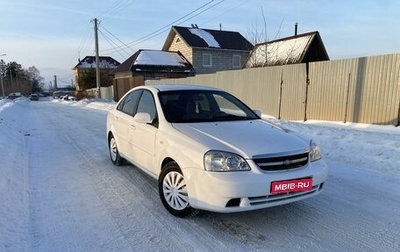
x=60 y=192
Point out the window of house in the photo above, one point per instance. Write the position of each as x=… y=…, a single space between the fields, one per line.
x=237 y=61
x=207 y=60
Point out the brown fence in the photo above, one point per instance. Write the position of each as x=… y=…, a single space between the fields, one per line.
x=360 y=90
x=123 y=85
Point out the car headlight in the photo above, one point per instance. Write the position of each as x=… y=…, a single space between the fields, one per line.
x=224 y=161
x=315 y=152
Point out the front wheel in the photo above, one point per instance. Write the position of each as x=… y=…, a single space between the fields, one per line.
x=116 y=159
x=173 y=191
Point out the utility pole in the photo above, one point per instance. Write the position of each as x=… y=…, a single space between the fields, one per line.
x=1 y=80
x=11 y=80
x=55 y=83
x=1 y=76
x=96 y=44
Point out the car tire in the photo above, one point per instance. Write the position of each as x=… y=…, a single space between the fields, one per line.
x=116 y=159
x=173 y=191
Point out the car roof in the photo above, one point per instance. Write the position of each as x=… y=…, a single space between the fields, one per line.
x=175 y=87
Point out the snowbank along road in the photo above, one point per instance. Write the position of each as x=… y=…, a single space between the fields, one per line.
x=60 y=192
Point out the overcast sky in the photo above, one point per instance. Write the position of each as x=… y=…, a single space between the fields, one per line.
x=53 y=35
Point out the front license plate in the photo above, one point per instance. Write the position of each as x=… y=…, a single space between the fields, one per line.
x=295 y=185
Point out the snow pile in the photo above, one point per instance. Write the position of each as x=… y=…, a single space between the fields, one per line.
x=14 y=181
x=4 y=104
x=100 y=104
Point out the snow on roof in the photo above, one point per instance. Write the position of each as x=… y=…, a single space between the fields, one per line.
x=104 y=62
x=159 y=58
x=280 y=52
x=206 y=36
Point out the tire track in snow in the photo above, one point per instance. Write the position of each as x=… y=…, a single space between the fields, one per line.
x=132 y=207
x=62 y=217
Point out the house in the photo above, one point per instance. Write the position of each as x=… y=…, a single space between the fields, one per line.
x=149 y=65
x=208 y=50
x=85 y=72
x=302 y=48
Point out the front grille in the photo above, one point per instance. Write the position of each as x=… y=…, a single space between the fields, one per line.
x=283 y=162
x=280 y=197
x=272 y=199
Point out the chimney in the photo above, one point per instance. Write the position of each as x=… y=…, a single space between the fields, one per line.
x=295 y=29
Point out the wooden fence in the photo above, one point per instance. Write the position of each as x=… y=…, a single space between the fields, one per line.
x=360 y=90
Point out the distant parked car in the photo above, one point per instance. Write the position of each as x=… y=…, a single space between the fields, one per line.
x=34 y=97
x=210 y=151
x=68 y=98
x=15 y=95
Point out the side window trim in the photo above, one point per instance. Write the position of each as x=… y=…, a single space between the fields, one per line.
x=137 y=93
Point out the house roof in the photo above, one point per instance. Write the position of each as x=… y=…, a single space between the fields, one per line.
x=307 y=47
x=104 y=62
x=155 y=61
x=206 y=38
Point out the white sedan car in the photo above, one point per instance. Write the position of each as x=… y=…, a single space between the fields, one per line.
x=210 y=151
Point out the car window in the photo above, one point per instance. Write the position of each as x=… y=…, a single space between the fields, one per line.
x=147 y=105
x=129 y=102
x=227 y=106
x=203 y=106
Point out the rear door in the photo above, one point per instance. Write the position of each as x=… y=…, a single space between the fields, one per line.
x=123 y=119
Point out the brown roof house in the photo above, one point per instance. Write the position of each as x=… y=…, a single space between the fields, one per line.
x=302 y=48
x=85 y=72
x=208 y=50
x=149 y=65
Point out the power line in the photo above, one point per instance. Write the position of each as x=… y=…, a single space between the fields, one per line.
x=87 y=39
x=116 y=7
x=167 y=27
x=113 y=44
x=226 y=11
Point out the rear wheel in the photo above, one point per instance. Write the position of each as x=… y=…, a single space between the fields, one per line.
x=173 y=191
x=116 y=159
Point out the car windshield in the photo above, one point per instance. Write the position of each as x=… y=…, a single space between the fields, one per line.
x=203 y=106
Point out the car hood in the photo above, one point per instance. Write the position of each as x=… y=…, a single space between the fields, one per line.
x=248 y=138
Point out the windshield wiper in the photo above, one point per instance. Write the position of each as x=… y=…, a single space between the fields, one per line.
x=228 y=117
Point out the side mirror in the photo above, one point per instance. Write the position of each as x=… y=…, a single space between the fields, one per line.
x=258 y=112
x=142 y=117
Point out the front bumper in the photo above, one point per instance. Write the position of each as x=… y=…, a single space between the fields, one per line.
x=248 y=190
